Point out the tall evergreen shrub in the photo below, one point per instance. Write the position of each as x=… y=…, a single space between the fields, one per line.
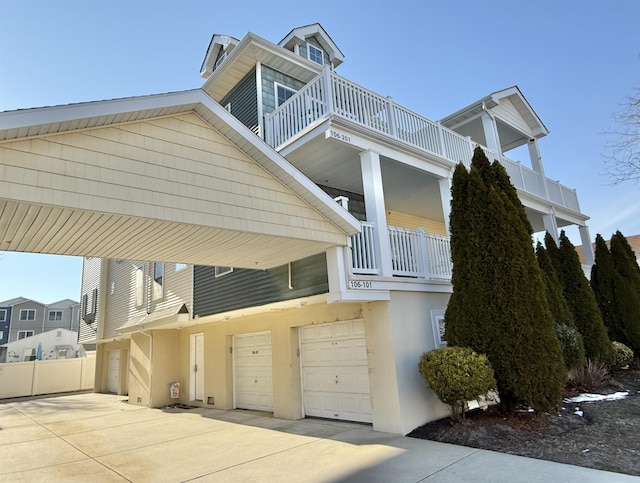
x=628 y=296
x=499 y=306
x=581 y=299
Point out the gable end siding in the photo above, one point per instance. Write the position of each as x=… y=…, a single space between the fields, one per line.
x=244 y=288
x=244 y=101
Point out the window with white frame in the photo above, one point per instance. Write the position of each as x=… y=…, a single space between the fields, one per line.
x=158 y=280
x=24 y=333
x=3 y=315
x=1 y=334
x=139 y=284
x=27 y=314
x=282 y=93
x=180 y=266
x=220 y=271
x=54 y=315
x=438 y=324
x=315 y=54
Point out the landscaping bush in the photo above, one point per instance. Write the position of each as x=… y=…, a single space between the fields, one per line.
x=624 y=356
x=457 y=375
x=589 y=376
x=571 y=344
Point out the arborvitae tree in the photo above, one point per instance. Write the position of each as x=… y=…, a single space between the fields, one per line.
x=499 y=306
x=581 y=299
x=557 y=304
x=628 y=295
x=605 y=282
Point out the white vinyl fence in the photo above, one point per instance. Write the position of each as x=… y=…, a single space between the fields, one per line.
x=32 y=378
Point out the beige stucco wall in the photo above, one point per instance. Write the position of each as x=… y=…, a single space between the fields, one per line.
x=397 y=332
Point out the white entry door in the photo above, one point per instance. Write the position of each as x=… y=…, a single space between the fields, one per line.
x=196 y=361
x=253 y=375
x=113 y=378
x=335 y=372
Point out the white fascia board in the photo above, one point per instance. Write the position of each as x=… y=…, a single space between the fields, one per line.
x=49 y=118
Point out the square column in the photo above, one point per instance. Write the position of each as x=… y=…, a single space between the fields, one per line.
x=445 y=196
x=375 y=208
x=587 y=248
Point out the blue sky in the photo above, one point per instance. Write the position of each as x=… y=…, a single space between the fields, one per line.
x=574 y=61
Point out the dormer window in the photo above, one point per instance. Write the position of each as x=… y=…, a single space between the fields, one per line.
x=315 y=54
x=220 y=60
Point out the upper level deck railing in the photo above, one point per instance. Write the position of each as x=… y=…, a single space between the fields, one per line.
x=329 y=94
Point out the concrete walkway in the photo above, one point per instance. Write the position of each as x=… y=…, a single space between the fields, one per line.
x=99 y=437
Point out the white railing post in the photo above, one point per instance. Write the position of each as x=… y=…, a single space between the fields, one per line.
x=327 y=90
x=443 y=150
x=392 y=116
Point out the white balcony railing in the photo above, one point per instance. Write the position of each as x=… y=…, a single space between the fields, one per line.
x=413 y=253
x=332 y=95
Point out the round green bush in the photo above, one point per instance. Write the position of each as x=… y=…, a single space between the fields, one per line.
x=571 y=344
x=457 y=375
x=624 y=356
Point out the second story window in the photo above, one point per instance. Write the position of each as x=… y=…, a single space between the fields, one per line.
x=55 y=315
x=139 y=283
x=24 y=333
x=282 y=94
x=315 y=54
x=3 y=315
x=158 y=280
x=27 y=314
x=220 y=271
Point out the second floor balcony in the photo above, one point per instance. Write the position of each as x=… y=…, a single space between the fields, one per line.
x=412 y=253
x=332 y=96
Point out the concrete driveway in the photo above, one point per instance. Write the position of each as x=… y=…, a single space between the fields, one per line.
x=99 y=437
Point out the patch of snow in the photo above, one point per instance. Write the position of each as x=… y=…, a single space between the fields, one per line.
x=598 y=397
x=577 y=412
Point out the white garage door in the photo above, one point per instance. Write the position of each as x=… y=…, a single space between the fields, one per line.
x=253 y=375
x=335 y=374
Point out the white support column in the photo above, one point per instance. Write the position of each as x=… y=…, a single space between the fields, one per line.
x=445 y=196
x=551 y=225
x=491 y=134
x=587 y=248
x=375 y=208
x=536 y=164
x=259 y=100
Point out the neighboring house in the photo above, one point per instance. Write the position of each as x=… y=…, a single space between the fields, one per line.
x=336 y=333
x=54 y=344
x=5 y=319
x=634 y=243
x=21 y=317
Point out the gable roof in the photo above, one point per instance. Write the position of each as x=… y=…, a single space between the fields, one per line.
x=300 y=34
x=243 y=238
x=218 y=42
x=47 y=120
x=17 y=301
x=514 y=95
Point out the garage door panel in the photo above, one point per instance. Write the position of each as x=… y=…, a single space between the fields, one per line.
x=253 y=374
x=335 y=373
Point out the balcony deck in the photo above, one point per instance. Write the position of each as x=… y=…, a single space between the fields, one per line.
x=331 y=95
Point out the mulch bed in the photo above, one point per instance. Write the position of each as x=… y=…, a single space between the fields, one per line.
x=606 y=436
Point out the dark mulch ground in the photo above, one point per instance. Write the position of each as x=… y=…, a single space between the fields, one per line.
x=605 y=437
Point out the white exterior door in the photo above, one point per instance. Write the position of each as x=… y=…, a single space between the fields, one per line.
x=196 y=357
x=335 y=373
x=113 y=378
x=253 y=375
